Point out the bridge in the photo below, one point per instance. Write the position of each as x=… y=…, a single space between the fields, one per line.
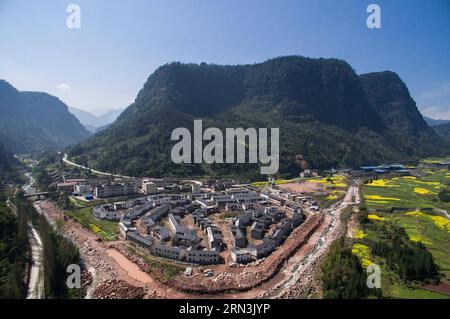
x=37 y=194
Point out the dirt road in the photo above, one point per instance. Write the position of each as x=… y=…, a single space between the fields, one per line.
x=36 y=272
x=300 y=273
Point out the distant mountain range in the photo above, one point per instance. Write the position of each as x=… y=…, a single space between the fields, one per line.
x=93 y=122
x=328 y=117
x=32 y=122
x=443 y=130
x=433 y=122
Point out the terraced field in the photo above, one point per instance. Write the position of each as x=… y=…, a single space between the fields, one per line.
x=422 y=215
x=408 y=191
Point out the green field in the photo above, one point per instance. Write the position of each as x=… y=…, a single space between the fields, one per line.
x=402 y=292
x=421 y=220
x=408 y=191
x=107 y=230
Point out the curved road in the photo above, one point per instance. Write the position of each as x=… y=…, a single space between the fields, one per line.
x=68 y=162
x=36 y=279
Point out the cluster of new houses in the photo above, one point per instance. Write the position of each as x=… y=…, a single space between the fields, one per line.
x=176 y=242
x=155 y=223
x=260 y=221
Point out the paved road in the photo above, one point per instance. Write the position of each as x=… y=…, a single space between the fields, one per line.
x=65 y=160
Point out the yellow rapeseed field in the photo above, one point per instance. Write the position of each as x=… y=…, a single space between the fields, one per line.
x=418 y=238
x=377 y=202
x=95 y=228
x=375 y=217
x=422 y=191
x=359 y=234
x=381 y=183
x=364 y=253
x=378 y=197
x=438 y=221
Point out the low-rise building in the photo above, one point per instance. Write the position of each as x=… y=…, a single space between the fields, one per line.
x=214 y=238
x=142 y=243
x=82 y=189
x=239 y=238
x=115 y=189
x=159 y=212
x=201 y=256
x=67 y=188
x=257 y=230
x=149 y=187
x=242 y=255
x=263 y=249
x=171 y=252
x=106 y=212
x=160 y=233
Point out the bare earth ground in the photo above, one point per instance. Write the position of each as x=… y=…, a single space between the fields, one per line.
x=36 y=278
x=302 y=187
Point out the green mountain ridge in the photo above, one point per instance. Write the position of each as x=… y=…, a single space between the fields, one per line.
x=9 y=166
x=32 y=122
x=443 y=130
x=328 y=117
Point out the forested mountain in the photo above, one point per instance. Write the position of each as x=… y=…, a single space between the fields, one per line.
x=328 y=117
x=443 y=130
x=95 y=123
x=9 y=166
x=14 y=252
x=406 y=130
x=33 y=121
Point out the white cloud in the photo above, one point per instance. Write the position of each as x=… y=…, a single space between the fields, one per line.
x=63 y=87
x=442 y=90
x=435 y=112
x=435 y=102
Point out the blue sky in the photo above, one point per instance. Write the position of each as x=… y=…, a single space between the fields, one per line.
x=104 y=64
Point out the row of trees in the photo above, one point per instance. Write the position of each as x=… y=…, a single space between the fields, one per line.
x=409 y=260
x=343 y=277
x=14 y=252
x=59 y=252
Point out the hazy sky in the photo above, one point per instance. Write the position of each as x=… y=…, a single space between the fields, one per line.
x=104 y=64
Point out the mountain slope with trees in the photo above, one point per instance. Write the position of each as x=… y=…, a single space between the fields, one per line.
x=443 y=130
x=32 y=122
x=328 y=117
x=9 y=167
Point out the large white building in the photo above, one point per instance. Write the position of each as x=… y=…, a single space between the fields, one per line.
x=82 y=189
x=115 y=189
